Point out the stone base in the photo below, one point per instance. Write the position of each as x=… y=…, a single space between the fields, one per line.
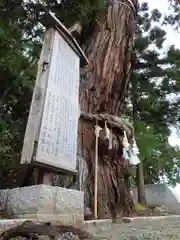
x=100 y=224
x=10 y=223
x=44 y=203
x=158 y=195
x=77 y=220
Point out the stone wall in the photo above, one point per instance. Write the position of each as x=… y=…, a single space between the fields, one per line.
x=45 y=203
x=160 y=194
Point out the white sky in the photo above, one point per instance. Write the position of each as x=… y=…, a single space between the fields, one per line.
x=163 y=6
x=173 y=38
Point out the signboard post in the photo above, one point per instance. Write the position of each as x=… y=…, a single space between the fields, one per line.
x=51 y=134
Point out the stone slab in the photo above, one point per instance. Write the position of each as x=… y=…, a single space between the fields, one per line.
x=45 y=203
x=3 y=199
x=100 y=224
x=6 y=224
x=33 y=199
x=160 y=194
x=75 y=201
x=76 y=220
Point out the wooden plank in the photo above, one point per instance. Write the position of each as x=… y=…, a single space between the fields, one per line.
x=54 y=21
x=43 y=176
x=37 y=104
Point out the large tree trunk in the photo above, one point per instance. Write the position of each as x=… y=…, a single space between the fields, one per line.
x=103 y=89
x=109 y=51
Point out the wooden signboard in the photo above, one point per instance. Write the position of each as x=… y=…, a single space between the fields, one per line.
x=51 y=132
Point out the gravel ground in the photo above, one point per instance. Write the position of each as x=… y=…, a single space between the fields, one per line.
x=138 y=228
x=167 y=228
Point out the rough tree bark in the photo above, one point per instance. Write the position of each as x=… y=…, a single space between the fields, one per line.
x=109 y=51
x=140 y=184
x=105 y=79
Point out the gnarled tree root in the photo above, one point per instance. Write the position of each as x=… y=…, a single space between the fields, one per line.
x=32 y=230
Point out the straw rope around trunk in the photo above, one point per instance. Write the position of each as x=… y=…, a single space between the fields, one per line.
x=119 y=124
x=114 y=197
x=102 y=90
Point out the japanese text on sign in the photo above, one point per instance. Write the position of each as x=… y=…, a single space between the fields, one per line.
x=58 y=133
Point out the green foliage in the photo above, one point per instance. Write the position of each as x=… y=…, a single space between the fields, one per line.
x=17 y=74
x=153 y=80
x=174 y=17
x=82 y=10
x=147 y=138
x=174 y=70
x=20 y=45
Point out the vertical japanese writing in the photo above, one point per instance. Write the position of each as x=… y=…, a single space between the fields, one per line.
x=58 y=134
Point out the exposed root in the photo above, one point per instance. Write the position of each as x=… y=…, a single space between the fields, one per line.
x=33 y=230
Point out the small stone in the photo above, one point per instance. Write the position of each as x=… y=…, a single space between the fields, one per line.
x=161 y=211
x=133 y=238
x=133 y=229
x=126 y=220
x=42 y=237
x=67 y=236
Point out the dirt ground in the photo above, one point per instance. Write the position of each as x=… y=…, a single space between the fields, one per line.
x=142 y=228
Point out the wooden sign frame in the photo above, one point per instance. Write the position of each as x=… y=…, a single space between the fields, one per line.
x=36 y=110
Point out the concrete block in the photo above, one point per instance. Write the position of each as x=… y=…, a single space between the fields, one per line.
x=3 y=199
x=100 y=224
x=33 y=199
x=76 y=220
x=69 y=201
x=160 y=194
x=47 y=198
x=45 y=203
